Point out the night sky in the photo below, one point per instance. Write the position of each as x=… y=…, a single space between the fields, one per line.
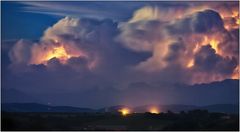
x=96 y=54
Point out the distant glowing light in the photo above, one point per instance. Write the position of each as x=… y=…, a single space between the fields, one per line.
x=154 y=110
x=124 y=111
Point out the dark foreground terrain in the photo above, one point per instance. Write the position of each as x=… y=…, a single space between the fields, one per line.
x=192 y=120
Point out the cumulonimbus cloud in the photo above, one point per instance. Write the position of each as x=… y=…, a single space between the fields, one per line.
x=194 y=41
x=198 y=41
x=69 y=41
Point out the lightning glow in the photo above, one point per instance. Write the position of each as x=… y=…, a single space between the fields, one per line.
x=235 y=74
x=59 y=53
x=190 y=63
x=42 y=54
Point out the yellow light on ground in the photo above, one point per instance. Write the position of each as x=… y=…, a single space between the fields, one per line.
x=124 y=111
x=154 y=110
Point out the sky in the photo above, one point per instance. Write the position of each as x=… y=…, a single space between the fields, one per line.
x=96 y=54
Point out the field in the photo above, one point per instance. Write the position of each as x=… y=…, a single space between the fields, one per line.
x=192 y=120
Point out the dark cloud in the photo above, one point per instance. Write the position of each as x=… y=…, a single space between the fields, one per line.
x=78 y=64
x=206 y=60
x=200 y=22
x=175 y=51
x=230 y=43
x=206 y=21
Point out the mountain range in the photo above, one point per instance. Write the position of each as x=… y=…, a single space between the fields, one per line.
x=35 y=107
x=223 y=101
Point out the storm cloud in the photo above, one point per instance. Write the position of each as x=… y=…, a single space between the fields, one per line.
x=180 y=41
x=190 y=44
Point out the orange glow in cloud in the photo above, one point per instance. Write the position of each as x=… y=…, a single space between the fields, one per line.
x=124 y=111
x=190 y=63
x=235 y=74
x=213 y=41
x=235 y=14
x=238 y=21
x=216 y=38
x=59 y=53
x=43 y=53
x=227 y=17
x=197 y=47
